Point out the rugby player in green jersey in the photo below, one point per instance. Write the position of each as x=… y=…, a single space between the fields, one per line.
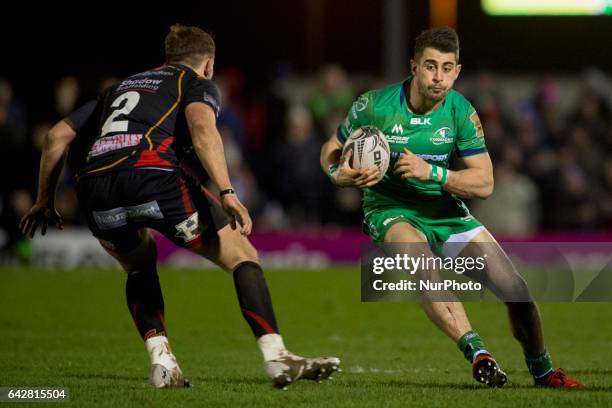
x=419 y=199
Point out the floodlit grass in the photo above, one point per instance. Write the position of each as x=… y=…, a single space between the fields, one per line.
x=72 y=329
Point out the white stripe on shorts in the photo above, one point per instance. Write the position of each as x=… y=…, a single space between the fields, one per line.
x=456 y=242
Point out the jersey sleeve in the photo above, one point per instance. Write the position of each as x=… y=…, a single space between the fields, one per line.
x=470 y=138
x=203 y=90
x=359 y=115
x=77 y=119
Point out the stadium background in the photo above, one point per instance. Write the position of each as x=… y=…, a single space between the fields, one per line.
x=289 y=71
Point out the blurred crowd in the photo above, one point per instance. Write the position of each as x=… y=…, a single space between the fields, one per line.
x=550 y=149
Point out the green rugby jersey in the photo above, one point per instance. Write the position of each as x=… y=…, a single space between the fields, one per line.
x=453 y=126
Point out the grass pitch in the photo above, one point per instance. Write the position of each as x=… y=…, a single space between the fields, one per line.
x=72 y=329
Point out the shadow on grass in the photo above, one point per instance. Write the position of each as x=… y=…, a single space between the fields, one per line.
x=262 y=381
x=457 y=386
x=93 y=376
x=205 y=379
x=598 y=371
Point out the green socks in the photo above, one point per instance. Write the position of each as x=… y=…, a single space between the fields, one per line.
x=540 y=365
x=471 y=345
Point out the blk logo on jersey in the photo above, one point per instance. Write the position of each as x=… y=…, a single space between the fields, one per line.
x=420 y=121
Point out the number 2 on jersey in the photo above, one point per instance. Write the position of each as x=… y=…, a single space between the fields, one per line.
x=112 y=125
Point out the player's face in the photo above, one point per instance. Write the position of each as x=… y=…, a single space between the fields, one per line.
x=435 y=73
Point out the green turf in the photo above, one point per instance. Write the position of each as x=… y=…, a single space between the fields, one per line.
x=72 y=329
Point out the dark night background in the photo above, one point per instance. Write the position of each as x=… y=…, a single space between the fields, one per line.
x=541 y=86
x=42 y=43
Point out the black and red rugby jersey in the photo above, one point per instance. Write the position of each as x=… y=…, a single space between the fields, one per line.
x=140 y=122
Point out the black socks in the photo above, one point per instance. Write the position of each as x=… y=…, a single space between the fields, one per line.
x=254 y=298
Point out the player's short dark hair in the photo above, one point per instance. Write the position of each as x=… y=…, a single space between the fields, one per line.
x=188 y=44
x=443 y=39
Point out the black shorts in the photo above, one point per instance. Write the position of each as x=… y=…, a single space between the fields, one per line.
x=118 y=204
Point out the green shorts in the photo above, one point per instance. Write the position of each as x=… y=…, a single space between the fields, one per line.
x=440 y=220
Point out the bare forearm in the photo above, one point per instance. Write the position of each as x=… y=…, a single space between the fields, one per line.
x=470 y=183
x=330 y=154
x=51 y=164
x=212 y=156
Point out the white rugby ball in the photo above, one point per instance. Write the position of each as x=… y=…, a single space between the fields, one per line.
x=370 y=148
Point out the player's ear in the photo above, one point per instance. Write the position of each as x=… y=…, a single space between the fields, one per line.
x=209 y=67
x=457 y=70
x=413 y=66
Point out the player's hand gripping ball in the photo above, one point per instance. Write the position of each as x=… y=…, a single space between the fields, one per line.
x=369 y=148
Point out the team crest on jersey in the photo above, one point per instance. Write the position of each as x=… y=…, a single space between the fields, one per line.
x=189 y=229
x=477 y=124
x=359 y=105
x=442 y=136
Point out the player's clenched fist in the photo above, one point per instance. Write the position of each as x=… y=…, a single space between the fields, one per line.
x=346 y=176
x=410 y=165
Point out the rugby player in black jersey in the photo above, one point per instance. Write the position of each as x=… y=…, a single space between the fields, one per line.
x=131 y=180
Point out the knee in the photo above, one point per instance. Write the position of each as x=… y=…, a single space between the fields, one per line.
x=519 y=291
x=245 y=251
x=236 y=251
x=521 y=308
x=144 y=257
x=508 y=286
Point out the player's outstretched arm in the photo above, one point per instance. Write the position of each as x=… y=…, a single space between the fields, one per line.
x=52 y=162
x=209 y=148
x=337 y=167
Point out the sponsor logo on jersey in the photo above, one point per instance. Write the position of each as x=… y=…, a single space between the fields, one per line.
x=115 y=142
x=120 y=216
x=442 y=136
x=145 y=84
x=420 y=121
x=477 y=124
x=397 y=139
x=397 y=129
x=427 y=157
x=434 y=157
